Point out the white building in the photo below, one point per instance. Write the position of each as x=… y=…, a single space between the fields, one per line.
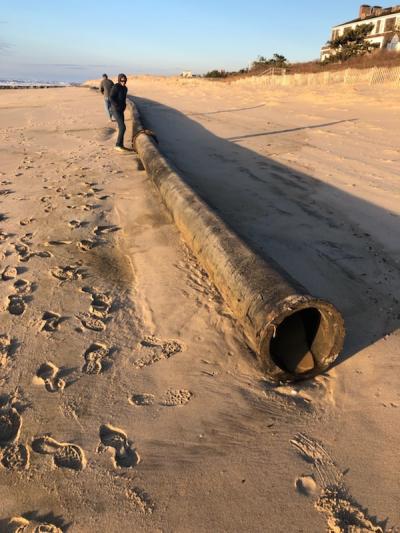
x=385 y=32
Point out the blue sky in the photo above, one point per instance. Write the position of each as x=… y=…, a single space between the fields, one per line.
x=73 y=40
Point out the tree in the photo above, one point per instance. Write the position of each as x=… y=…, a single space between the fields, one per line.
x=277 y=60
x=352 y=43
x=216 y=74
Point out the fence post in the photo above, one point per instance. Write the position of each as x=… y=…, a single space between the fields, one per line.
x=371 y=80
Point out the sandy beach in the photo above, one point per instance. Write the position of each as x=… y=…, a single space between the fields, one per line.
x=129 y=399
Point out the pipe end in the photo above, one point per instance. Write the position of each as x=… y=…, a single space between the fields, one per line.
x=302 y=340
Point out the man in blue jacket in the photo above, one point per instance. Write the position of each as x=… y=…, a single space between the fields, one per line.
x=118 y=105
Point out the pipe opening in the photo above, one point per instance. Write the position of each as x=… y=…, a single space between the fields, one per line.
x=299 y=342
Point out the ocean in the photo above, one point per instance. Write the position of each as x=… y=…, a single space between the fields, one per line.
x=33 y=83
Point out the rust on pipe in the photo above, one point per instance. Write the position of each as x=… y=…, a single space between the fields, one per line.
x=295 y=335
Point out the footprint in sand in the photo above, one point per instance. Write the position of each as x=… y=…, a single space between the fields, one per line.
x=90 y=207
x=103 y=230
x=140 y=500
x=91 y=184
x=99 y=310
x=77 y=223
x=69 y=272
x=9 y=272
x=19 y=524
x=341 y=511
x=15 y=457
x=125 y=456
x=22 y=286
x=151 y=350
x=101 y=302
x=175 y=397
x=6 y=349
x=49 y=374
x=74 y=224
x=88 y=244
x=10 y=425
x=26 y=221
x=89 y=321
x=16 y=305
x=97 y=359
x=141 y=400
x=65 y=454
x=42 y=253
x=171 y=398
x=27 y=238
x=58 y=242
x=4 y=236
x=51 y=321
x=23 y=251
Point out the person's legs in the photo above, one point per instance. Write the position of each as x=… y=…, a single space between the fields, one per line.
x=119 y=117
x=107 y=107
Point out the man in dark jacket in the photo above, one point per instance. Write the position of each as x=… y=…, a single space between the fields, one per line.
x=118 y=105
x=105 y=89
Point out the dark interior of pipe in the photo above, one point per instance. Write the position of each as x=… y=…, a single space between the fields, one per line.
x=297 y=341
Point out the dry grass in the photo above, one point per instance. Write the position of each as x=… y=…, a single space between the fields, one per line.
x=380 y=58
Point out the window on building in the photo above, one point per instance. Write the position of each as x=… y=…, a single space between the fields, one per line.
x=378 y=26
x=394 y=43
x=390 y=24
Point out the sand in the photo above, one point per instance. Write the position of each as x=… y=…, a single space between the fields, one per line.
x=130 y=401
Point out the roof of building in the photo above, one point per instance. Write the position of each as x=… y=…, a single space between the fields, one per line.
x=385 y=12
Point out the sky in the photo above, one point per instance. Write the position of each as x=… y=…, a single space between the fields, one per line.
x=75 y=40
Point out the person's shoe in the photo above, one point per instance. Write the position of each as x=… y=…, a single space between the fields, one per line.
x=119 y=148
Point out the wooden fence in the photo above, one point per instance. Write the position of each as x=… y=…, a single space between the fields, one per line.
x=370 y=76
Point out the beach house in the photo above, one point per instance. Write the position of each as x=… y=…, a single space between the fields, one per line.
x=385 y=32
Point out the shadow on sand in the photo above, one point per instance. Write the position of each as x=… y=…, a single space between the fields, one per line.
x=315 y=231
x=290 y=130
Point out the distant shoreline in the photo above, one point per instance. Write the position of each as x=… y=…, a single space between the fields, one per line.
x=18 y=84
x=33 y=86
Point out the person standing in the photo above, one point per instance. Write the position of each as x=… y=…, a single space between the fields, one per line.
x=118 y=105
x=105 y=89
